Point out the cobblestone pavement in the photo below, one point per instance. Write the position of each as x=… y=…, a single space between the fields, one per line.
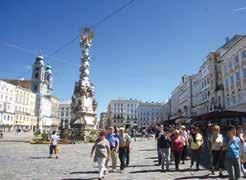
x=23 y=136
x=25 y=161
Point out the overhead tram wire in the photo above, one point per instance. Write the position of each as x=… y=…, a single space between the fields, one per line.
x=20 y=48
x=72 y=40
x=94 y=26
x=65 y=45
x=111 y=14
x=32 y=52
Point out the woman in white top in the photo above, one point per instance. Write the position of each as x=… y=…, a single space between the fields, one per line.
x=216 y=142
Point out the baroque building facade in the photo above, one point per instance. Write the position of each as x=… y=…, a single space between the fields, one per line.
x=25 y=117
x=7 y=106
x=220 y=83
x=200 y=90
x=150 y=113
x=65 y=114
x=123 y=112
x=185 y=92
x=234 y=73
x=46 y=104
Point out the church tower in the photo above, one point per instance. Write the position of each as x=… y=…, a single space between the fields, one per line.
x=49 y=79
x=42 y=77
x=38 y=75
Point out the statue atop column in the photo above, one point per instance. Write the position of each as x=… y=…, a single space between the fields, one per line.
x=83 y=107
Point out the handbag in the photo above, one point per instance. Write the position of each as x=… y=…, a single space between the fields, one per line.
x=58 y=149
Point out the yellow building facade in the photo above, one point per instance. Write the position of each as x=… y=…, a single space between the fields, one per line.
x=25 y=102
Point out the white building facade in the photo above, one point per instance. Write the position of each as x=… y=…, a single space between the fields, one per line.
x=65 y=114
x=7 y=106
x=234 y=73
x=123 y=113
x=41 y=84
x=25 y=117
x=167 y=110
x=150 y=113
x=201 y=90
x=185 y=90
x=175 y=111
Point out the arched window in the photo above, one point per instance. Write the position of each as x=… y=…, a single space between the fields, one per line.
x=36 y=75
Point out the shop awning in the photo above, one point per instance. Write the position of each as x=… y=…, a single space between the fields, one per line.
x=219 y=115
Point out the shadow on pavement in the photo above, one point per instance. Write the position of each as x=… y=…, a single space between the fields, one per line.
x=80 y=178
x=206 y=176
x=148 y=150
x=145 y=171
x=154 y=157
x=186 y=170
x=140 y=166
x=39 y=157
x=85 y=172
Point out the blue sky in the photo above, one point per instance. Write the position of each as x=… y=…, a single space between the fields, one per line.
x=141 y=52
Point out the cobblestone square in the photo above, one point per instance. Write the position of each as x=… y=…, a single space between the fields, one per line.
x=23 y=161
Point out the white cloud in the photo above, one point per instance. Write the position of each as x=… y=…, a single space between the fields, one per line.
x=239 y=9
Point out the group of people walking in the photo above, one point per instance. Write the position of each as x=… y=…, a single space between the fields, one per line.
x=227 y=148
x=108 y=147
x=172 y=146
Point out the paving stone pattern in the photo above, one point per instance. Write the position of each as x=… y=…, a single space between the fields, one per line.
x=23 y=161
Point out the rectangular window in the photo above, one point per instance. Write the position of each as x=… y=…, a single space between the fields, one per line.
x=233 y=100
x=225 y=68
x=228 y=101
x=238 y=76
x=236 y=59
x=244 y=73
x=232 y=80
x=244 y=54
x=230 y=65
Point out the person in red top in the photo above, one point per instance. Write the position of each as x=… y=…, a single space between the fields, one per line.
x=177 y=146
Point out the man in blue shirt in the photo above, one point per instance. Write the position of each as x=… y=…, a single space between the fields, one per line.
x=114 y=147
x=231 y=145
